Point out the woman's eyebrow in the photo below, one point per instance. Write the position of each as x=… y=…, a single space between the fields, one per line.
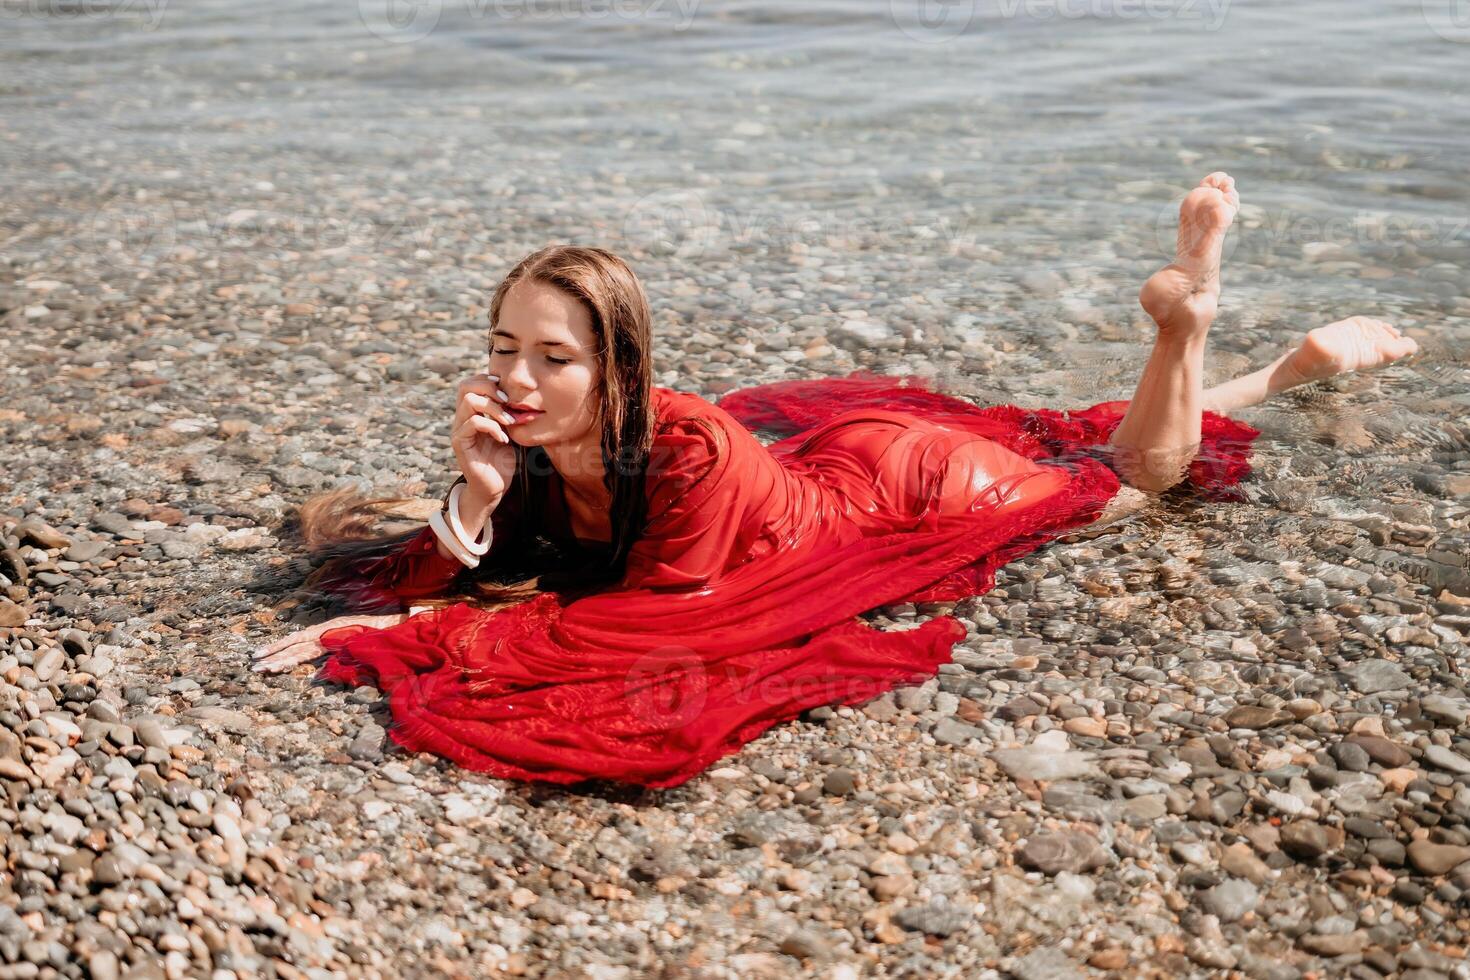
x=544 y=343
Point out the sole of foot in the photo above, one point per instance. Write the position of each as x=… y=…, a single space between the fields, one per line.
x=1359 y=343
x=1183 y=295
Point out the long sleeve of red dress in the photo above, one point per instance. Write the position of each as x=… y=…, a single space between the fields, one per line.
x=738 y=607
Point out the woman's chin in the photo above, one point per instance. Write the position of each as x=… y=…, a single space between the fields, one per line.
x=519 y=435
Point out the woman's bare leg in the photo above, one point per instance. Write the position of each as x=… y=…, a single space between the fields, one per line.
x=1355 y=344
x=1160 y=432
x=1358 y=343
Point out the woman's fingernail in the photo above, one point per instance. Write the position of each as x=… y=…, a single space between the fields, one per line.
x=508 y=418
x=502 y=396
x=494 y=377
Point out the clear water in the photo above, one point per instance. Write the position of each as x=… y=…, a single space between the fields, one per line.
x=1007 y=171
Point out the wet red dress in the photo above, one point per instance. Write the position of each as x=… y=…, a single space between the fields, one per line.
x=737 y=610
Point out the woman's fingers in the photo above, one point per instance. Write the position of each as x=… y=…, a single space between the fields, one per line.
x=484 y=384
x=482 y=424
x=303 y=645
x=478 y=404
x=281 y=646
x=290 y=657
x=290 y=639
x=309 y=634
x=475 y=424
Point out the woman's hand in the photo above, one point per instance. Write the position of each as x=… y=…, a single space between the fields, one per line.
x=304 y=645
x=486 y=456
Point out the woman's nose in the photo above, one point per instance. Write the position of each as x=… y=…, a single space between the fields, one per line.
x=518 y=376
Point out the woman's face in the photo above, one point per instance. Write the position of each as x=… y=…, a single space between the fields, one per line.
x=544 y=351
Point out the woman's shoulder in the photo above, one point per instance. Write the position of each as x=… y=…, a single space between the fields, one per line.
x=689 y=433
x=691 y=454
x=671 y=406
x=681 y=414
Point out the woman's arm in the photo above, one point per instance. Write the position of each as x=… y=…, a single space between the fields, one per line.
x=475 y=509
x=422 y=567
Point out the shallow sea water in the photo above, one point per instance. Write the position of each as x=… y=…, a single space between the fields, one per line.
x=988 y=182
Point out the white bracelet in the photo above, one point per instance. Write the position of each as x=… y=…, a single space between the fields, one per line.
x=450 y=541
x=473 y=547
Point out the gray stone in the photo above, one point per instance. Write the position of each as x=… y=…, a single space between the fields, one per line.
x=49 y=663
x=1445 y=710
x=934 y=918
x=1305 y=840
x=1063 y=850
x=1375 y=676
x=228 y=719
x=1042 y=763
x=1447 y=759
x=115 y=524
x=1350 y=756
x=1046 y=963
x=84 y=551
x=150 y=733
x=1435 y=859
x=839 y=782
x=1231 y=899
x=950 y=731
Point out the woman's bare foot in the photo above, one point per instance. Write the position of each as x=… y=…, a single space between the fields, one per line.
x=1359 y=343
x=1183 y=295
x=1160 y=433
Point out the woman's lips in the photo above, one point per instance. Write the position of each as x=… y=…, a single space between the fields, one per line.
x=521 y=415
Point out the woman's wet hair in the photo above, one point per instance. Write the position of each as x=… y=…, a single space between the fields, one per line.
x=343 y=528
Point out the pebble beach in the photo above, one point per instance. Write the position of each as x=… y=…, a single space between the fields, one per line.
x=247 y=265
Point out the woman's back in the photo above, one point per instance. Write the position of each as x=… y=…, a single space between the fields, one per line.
x=861 y=472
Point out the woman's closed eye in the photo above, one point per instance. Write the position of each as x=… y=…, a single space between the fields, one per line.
x=553 y=360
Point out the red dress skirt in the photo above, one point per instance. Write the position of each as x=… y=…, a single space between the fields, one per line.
x=738 y=606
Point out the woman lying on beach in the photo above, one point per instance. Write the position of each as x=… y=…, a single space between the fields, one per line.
x=623 y=583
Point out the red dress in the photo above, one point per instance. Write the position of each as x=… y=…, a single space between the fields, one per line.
x=738 y=607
